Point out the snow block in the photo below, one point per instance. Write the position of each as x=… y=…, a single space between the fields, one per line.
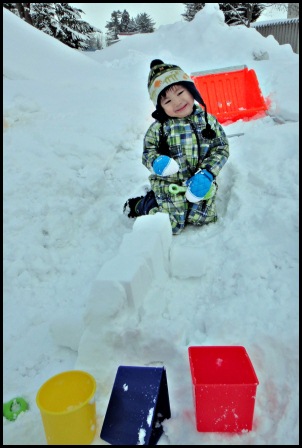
x=121 y=285
x=138 y=405
x=158 y=223
x=67 y=332
x=106 y=299
x=150 y=248
x=132 y=272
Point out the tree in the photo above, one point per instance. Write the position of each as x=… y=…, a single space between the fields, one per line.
x=132 y=27
x=191 y=10
x=59 y=20
x=11 y=7
x=235 y=13
x=45 y=18
x=241 y=13
x=95 y=42
x=125 y=21
x=122 y=22
x=144 y=23
x=24 y=12
x=75 y=32
x=292 y=9
x=113 y=27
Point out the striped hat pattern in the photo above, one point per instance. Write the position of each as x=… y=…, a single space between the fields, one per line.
x=162 y=76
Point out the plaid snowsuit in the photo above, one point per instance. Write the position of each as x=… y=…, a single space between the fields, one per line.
x=191 y=151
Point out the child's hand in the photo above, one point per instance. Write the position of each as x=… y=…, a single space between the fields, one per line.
x=165 y=166
x=199 y=185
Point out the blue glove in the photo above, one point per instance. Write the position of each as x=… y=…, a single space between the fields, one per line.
x=199 y=186
x=165 y=166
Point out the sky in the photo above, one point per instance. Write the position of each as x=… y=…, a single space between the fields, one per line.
x=98 y=14
x=87 y=288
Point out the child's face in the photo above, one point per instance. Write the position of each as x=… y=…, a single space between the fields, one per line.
x=177 y=102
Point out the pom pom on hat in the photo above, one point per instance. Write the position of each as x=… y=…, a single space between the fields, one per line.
x=155 y=62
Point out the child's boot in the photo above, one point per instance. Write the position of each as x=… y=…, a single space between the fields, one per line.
x=140 y=206
x=130 y=207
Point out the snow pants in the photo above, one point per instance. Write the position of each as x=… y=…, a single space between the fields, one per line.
x=181 y=212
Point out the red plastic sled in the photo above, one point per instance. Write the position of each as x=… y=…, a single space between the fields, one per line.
x=231 y=93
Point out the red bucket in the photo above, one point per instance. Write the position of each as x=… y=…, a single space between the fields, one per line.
x=224 y=388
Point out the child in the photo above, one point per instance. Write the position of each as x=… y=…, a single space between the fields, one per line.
x=185 y=146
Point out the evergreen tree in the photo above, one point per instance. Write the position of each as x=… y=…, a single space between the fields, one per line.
x=99 y=41
x=24 y=12
x=122 y=22
x=113 y=27
x=234 y=13
x=241 y=13
x=144 y=23
x=45 y=19
x=132 y=26
x=95 y=42
x=75 y=32
x=191 y=10
x=125 y=21
x=59 y=20
x=11 y=7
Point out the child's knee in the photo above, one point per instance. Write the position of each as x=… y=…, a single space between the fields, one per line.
x=177 y=223
x=202 y=213
x=177 y=230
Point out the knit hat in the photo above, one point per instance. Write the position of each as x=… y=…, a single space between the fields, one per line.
x=162 y=76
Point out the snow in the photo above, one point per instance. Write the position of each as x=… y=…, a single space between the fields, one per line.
x=282 y=21
x=87 y=288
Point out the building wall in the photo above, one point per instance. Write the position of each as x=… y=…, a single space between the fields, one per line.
x=285 y=31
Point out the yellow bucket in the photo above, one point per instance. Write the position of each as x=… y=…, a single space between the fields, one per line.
x=67 y=406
